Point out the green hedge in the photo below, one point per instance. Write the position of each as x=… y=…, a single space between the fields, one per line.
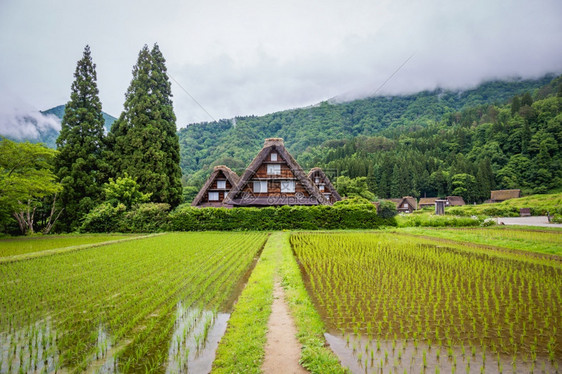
x=277 y=218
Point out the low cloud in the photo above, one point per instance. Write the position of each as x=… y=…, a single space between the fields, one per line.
x=252 y=57
x=20 y=121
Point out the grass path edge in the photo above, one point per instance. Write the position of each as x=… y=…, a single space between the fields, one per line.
x=56 y=251
x=316 y=357
x=242 y=348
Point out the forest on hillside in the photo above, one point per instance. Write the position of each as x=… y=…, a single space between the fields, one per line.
x=498 y=135
x=467 y=153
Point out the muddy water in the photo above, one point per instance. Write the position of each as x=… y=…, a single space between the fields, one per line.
x=29 y=350
x=195 y=340
x=363 y=356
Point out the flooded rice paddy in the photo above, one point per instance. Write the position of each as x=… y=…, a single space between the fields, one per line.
x=428 y=307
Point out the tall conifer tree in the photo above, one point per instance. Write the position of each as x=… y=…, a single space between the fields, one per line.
x=144 y=141
x=79 y=163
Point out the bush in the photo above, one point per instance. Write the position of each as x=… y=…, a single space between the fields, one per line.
x=103 y=218
x=278 y=218
x=411 y=220
x=387 y=209
x=354 y=200
x=149 y=217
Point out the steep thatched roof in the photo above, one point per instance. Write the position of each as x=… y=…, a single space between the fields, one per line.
x=501 y=195
x=427 y=201
x=317 y=172
x=231 y=176
x=275 y=144
x=455 y=200
x=412 y=202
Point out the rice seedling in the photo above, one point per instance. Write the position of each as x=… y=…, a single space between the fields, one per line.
x=118 y=304
x=460 y=299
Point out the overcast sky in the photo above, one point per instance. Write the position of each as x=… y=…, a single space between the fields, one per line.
x=259 y=56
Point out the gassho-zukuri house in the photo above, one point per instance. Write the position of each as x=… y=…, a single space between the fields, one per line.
x=273 y=178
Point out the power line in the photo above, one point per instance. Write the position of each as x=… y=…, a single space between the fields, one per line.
x=392 y=75
x=192 y=98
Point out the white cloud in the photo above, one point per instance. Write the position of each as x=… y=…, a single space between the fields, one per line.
x=254 y=56
x=19 y=120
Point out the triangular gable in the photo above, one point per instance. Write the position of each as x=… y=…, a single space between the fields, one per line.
x=270 y=145
x=329 y=187
x=219 y=170
x=412 y=203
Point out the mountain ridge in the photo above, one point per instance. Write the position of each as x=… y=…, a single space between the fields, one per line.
x=206 y=144
x=48 y=135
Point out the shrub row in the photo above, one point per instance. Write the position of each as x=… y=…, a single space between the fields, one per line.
x=156 y=217
x=106 y=217
x=278 y=218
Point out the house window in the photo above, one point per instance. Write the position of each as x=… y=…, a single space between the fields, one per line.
x=221 y=185
x=213 y=196
x=317 y=180
x=327 y=196
x=321 y=187
x=260 y=186
x=406 y=205
x=274 y=169
x=287 y=186
x=274 y=157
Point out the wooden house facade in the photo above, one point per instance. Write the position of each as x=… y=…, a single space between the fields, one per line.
x=407 y=204
x=275 y=178
x=322 y=182
x=217 y=187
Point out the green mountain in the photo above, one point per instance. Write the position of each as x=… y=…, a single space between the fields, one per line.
x=235 y=142
x=59 y=112
x=48 y=135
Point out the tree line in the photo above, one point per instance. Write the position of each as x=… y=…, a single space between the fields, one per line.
x=235 y=143
x=466 y=153
x=140 y=154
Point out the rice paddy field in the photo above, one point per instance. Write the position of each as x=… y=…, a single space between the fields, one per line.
x=145 y=305
x=401 y=300
x=21 y=246
x=400 y=303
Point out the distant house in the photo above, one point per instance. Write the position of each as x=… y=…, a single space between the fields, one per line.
x=497 y=196
x=455 y=201
x=275 y=178
x=216 y=188
x=427 y=202
x=322 y=182
x=407 y=204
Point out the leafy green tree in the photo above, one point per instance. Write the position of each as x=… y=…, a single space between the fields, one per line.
x=515 y=105
x=526 y=99
x=189 y=193
x=484 y=179
x=354 y=187
x=26 y=178
x=81 y=144
x=124 y=190
x=143 y=141
x=464 y=185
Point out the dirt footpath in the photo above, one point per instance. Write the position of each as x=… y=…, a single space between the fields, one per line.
x=282 y=351
x=527 y=221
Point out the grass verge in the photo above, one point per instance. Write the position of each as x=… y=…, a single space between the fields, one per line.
x=56 y=251
x=545 y=241
x=28 y=244
x=315 y=356
x=241 y=349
